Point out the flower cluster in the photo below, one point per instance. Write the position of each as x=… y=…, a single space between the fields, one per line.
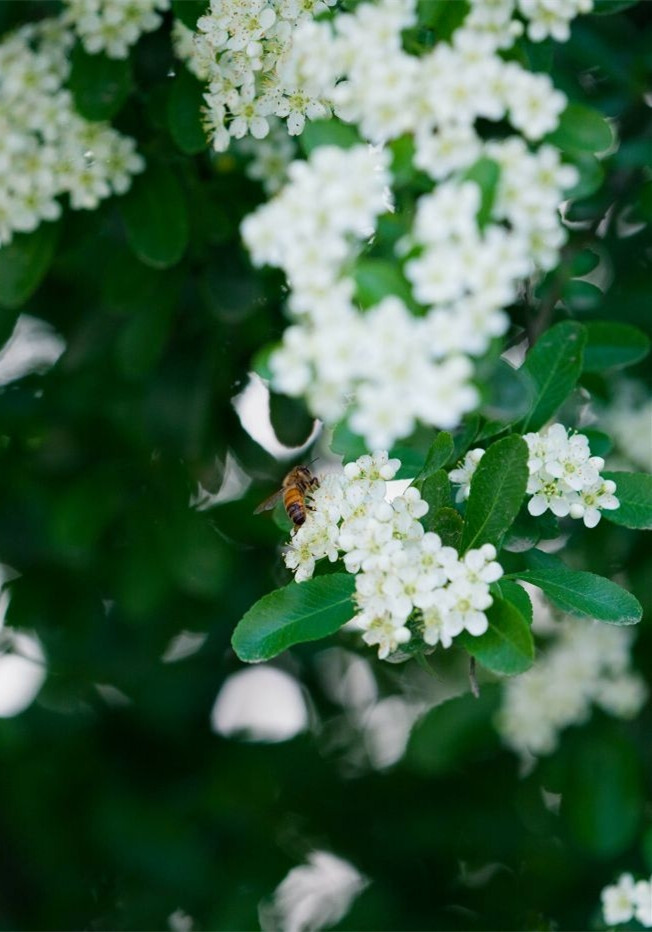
x=46 y=148
x=627 y=900
x=387 y=370
x=564 y=478
x=111 y=26
x=544 y=18
x=628 y=420
x=238 y=49
x=407 y=581
x=587 y=663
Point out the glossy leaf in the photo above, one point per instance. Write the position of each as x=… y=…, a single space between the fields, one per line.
x=580 y=593
x=24 y=262
x=99 y=84
x=155 y=217
x=510 y=591
x=296 y=613
x=554 y=365
x=634 y=492
x=486 y=174
x=454 y=731
x=439 y=454
x=582 y=128
x=376 y=279
x=328 y=133
x=611 y=345
x=185 y=100
x=507 y=647
x=497 y=492
x=448 y=524
x=436 y=491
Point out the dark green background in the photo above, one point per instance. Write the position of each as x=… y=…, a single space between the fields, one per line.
x=114 y=817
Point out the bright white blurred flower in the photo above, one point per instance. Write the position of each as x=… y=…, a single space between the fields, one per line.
x=618 y=901
x=585 y=663
x=313 y=896
x=47 y=149
x=260 y=704
x=112 y=26
x=643 y=902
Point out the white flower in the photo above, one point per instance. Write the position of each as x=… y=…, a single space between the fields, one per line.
x=618 y=901
x=111 y=26
x=585 y=663
x=313 y=896
x=48 y=149
x=643 y=902
x=384 y=632
x=565 y=478
x=464 y=472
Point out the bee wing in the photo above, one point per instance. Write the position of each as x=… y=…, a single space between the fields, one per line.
x=269 y=503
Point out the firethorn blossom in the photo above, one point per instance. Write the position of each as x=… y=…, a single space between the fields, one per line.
x=564 y=477
x=112 y=26
x=627 y=900
x=585 y=663
x=389 y=369
x=46 y=148
x=407 y=581
x=238 y=50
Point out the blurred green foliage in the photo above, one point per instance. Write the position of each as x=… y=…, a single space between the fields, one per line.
x=115 y=814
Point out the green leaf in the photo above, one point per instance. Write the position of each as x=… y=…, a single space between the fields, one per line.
x=579 y=593
x=584 y=262
x=189 y=11
x=486 y=174
x=612 y=345
x=185 y=101
x=330 y=132
x=436 y=491
x=439 y=454
x=507 y=647
x=581 y=128
x=290 y=419
x=603 y=794
x=155 y=217
x=377 y=278
x=449 y=525
x=634 y=153
x=554 y=365
x=591 y=175
x=296 y=613
x=497 y=491
x=634 y=492
x=442 y=16
x=607 y=7
x=582 y=297
x=99 y=84
x=24 y=262
x=510 y=591
x=453 y=732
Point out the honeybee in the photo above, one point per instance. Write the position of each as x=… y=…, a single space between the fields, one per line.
x=296 y=485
